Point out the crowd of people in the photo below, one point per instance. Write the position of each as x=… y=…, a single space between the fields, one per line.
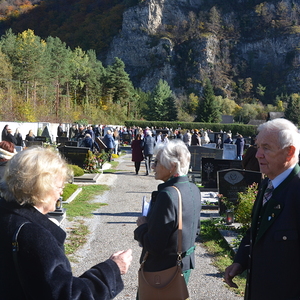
x=37 y=268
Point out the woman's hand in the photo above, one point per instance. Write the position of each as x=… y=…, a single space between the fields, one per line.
x=141 y=220
x=123 y=260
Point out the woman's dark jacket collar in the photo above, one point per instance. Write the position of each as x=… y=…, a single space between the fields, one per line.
x=31 y=214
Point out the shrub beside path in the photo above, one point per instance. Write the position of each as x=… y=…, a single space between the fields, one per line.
x=112 y=229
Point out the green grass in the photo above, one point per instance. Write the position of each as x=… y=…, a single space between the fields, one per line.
x=113 y=169
x=77 y=237
x=221 y=253
x=69 y=189
x=82 y=205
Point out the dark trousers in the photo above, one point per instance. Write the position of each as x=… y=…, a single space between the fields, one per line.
x=148 y=159
x=137 y=165
x=109 y=151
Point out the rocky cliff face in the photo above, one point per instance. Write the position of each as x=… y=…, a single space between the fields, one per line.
x=150 y=55
x=147 y=57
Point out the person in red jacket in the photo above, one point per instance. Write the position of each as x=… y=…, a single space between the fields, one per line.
x=137 y=153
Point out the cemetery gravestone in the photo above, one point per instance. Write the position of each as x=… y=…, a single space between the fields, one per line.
x=74 y=155
x=72 y=143
x=198 y=152
x=229 y=151
x=210 y=167
x=100 y=143
x=38 y=141
x=210 y=145
x=233 y=181
x=126 y=137
x=61 y=140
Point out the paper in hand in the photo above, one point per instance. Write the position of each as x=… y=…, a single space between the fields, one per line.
x=145 y=207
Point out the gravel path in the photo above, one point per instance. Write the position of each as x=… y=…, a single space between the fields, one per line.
x=112 y=229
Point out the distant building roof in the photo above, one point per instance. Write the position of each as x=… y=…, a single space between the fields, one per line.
x=275 y=114
x=256 y=122
x=227 y=119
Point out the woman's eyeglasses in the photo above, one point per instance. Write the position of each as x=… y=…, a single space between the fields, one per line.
x=154 y=164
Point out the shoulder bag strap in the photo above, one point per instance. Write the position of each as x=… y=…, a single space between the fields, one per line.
x=15 y=249
x=179 y=247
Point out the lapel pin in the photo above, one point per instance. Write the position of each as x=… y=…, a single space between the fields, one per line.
x=269 y=218
x=277 y=207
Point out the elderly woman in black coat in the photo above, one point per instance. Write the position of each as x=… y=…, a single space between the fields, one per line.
x=32 y=183
x=157 y=233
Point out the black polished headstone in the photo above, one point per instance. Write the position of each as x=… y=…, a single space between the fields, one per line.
x=210 y=167
x=72 y=143
x=40 y=139
x=74 y=155
x=126 y=138
x=62 y=140
x=233 y=181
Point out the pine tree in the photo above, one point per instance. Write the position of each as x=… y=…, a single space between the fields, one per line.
x=171 y=109
x=208 y=109
x=157 y=101
x=118 y=84
x=292 y=111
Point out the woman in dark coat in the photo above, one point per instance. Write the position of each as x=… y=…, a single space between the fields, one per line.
x=18 y=137
x=30 y=136
x=7 y=135
x=4 y=132
x=158 y=232
x=137 y=153
x=33 y=182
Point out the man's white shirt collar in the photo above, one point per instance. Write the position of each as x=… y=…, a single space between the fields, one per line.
x=281 y=177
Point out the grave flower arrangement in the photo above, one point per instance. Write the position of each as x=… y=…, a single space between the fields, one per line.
x=94 y=161
x=245 y=204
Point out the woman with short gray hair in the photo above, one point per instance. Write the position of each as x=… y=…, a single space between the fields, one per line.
x=157 y=233
x=174 y=153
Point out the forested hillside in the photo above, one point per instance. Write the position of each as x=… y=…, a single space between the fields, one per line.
x=90 y=24
x=204 y=57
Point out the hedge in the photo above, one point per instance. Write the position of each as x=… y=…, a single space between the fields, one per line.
x=245 y=130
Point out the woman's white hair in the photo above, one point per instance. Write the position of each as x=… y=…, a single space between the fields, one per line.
x=174 y=153
x=288 y=133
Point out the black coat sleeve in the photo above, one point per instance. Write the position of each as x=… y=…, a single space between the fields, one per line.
x=47 y=272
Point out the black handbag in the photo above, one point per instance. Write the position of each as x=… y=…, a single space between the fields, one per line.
x=168 y=284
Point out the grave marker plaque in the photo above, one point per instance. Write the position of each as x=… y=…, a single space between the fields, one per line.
x=74 y=155
x=233 y=181
x=126 y=138
x=210 y=167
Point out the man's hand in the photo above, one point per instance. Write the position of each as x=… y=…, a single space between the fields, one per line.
x=231 y=272
x=123 y=260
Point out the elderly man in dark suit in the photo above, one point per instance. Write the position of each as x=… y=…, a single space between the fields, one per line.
x=270 y=250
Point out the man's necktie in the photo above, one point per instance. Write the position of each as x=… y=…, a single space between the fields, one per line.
x=268 y=192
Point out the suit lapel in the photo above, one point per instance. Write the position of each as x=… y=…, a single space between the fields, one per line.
x=273 y=207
